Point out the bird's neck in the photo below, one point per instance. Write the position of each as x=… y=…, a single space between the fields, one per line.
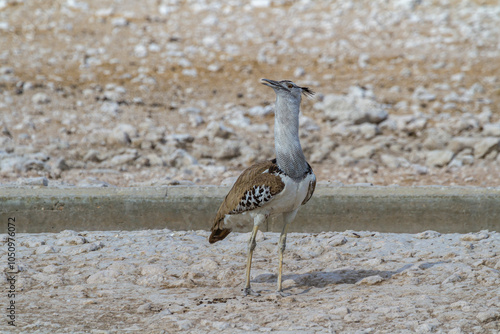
x=289 y=154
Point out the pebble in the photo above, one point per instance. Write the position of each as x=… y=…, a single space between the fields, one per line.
x=219 y=130
x=492 y=130
x=488 y=316
x=122 y=134
x=33 y=181
x=40 y=98
x=122 y=159
x=485 y=146
x=439 y=158
x=371 y=280
x=475 y=236
x=428 y=235
x=45 y=249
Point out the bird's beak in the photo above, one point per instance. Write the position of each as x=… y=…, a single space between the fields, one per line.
x=270 y=83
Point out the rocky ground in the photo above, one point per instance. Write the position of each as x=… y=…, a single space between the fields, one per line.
x=121 y=93
x=160 y=281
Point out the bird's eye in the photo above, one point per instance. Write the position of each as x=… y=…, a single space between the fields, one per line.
x=290 y=86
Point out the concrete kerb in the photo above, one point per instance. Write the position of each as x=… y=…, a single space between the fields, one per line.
x=383 y=209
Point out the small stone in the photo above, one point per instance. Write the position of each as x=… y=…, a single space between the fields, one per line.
x=92 y=155
x=488 y=316
x=75 y=240
x=439 y=158
x=368 y=130
x=33 y=181
x=426 y=328
x=144 y=308
x=40 y=98
x=363 y=60
x=337 y=241
x=119 y=22
x=220 y=325
x=217 y=129
x=299 y=72
x=103 y=277
x=352 y=108
x=394 y=162
x=342 y=310
x=485 y=146
x=154 y=160
x=91 y=182
x=229 y=150
x=260 y=3
x=196 y=120
x=122 y=159
x=61 y=164
x=475 y=236
x=492 y=129
x=180 y=140
x=122 y=134
x=140 y=51
x=190 y=72
x=214 y=67
x=420 y=170
x=180 y=158
x=229 y=181
x=259 y=111
x=152 y=269
x=371 y=280
x=428 y=235
x=457 y=144
x=45 y=249
x=453 y=279
x=422 y=94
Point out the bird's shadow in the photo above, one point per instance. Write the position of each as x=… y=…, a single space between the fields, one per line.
x=320 y=279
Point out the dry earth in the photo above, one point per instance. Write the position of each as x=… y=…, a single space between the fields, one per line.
x=97 y=93
x=160 y=281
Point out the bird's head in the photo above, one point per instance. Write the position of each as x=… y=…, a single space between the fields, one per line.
x=287 y=89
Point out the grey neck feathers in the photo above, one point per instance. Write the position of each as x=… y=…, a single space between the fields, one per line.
x=289 y=155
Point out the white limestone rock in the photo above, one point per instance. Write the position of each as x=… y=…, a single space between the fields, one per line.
x=353 y=109
x=40 y=98
x=485 y=146
x=491 y=129
x=122 y=135
x=439 y=158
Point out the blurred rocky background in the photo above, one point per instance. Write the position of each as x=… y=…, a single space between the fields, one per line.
x=131 y=93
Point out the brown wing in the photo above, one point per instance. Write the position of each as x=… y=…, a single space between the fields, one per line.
x=253 y=188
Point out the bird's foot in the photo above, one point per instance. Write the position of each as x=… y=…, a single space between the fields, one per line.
x=250 y=292
x=280 y=293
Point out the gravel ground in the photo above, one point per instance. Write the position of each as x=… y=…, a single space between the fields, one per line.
x=117 y=93
x=160 y=281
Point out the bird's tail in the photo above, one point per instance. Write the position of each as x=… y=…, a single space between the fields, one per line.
x=218 y=232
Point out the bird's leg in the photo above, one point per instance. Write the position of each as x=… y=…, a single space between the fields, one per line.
x=281 y=249
x=288 y=218
x=251 y=247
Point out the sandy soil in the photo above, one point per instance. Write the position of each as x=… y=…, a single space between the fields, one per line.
x=159 y=281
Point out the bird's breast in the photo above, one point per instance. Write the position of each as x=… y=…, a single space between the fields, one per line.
x=293 y=194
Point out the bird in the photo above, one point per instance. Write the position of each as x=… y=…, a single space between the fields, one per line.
x=273 y=187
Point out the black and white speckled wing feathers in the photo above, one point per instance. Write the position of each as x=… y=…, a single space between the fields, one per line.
x=255 y=187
